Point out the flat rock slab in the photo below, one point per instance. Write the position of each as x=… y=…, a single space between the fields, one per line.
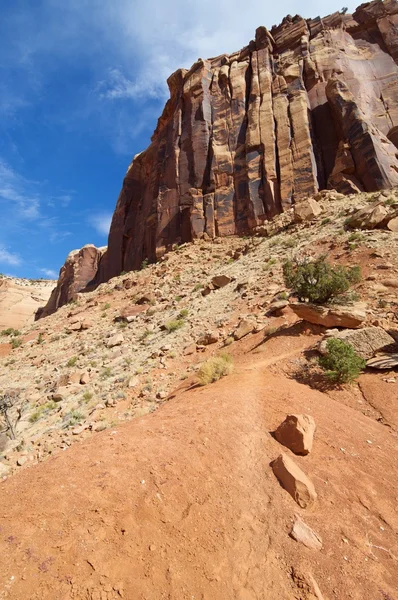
x=303 y=534
x=366 y=342
x=294 y=480
x=297 y=433
x=336 y=316
x=383 y=361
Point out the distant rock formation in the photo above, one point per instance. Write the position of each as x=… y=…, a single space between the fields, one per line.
x=20 y=299
x=78 y=272
x=309 y=105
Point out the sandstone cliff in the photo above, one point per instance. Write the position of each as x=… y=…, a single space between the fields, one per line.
x=77 y=273
x=309 y=105
x=20 y=299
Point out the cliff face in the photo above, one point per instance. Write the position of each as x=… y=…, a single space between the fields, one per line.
x=309 y=105
x=306 y=106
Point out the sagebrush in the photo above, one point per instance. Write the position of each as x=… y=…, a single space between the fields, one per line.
x=318 y=281
x=215 y=368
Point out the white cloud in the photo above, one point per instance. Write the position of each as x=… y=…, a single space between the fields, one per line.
x=49 y=273
x=9 y=258
x=101 y=222
x=18 y=190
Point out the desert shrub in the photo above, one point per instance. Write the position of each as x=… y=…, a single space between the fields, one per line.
x=173 y=325
x=72 y=361
x=318 y=281
x=341 y=364
x=215 y=368
x=11 y=331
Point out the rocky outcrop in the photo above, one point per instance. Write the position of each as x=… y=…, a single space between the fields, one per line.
x=307 y=105
x=78 y=272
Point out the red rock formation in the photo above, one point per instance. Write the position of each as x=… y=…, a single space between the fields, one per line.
x=309 y=105
x=79 y=270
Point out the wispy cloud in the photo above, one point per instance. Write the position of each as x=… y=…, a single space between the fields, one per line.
x=50 y=273
x=101 y=222
x=9 y=258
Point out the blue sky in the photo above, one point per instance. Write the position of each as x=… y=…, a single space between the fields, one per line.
x=82 y=84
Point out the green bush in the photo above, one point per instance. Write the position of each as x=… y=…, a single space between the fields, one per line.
x=318 y=281
x=342 y=364
x=16 y=342
x=215 y=368
x=173 y=325
x=72 y=361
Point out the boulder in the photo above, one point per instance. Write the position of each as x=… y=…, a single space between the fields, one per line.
x=297 y=433
x=366 y=342
x=244 y=328
x=295 y=481
x=220 y=281
x=369 y=217
x=307 y=210
x=277 y=307
x=303 y=534
x=392 y=225
x=330 y=316
x=115 y=340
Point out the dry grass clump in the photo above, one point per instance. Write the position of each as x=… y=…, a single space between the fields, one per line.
x=215 y=368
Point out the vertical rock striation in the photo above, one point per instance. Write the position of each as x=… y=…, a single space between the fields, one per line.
x=308 y=105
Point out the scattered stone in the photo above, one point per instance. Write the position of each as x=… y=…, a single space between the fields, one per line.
x=303 y=534
x=369 y=217
x=147 y=299
x=297 y=433
x=392 y=225
x=393 y=283
x=84 y=378
x=4 y=470
x=336 y=316
x=21 y=461
x=220 y=281
x=79 y=430
x=115 y=340
x=277 y=307
x=133 y=382
x=208 y=338
x=294 y=480
x=60 y=395
x=191 y=349
x=366 y=342
x=383 y=361
x=307 y=210
x=244 y=328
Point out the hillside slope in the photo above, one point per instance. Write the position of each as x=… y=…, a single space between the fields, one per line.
x=183 y=504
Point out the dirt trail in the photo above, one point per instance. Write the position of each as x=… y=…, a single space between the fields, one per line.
x=182 y=504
